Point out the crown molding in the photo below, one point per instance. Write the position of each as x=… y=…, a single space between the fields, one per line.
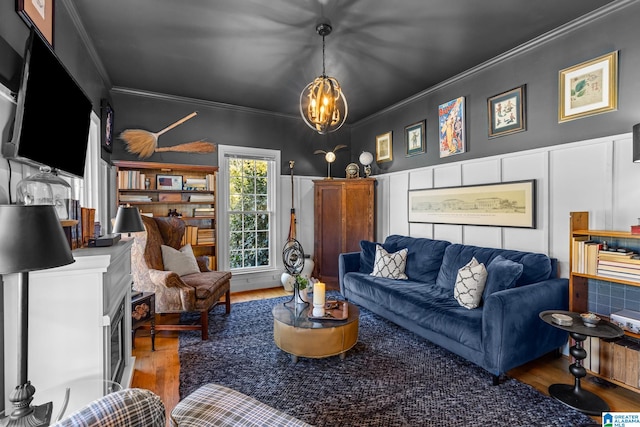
x=198 y=101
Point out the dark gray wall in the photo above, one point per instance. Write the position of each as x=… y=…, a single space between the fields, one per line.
x=224 y=125
x=538 y=68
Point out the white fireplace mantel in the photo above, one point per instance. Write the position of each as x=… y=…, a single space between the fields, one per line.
x=70 y=312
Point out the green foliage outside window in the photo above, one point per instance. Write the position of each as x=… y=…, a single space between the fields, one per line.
x=249 y=220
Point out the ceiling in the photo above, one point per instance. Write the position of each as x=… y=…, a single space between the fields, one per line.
x=261 y=53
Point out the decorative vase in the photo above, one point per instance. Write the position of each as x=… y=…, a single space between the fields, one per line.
x=304 y=294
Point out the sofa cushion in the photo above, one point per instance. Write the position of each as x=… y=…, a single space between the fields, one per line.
x=502 y=274
x=470 y=283
x=389 y=265
x=423 y=258
x=180 y=261
x=536 y=267
x=427 y=306
x=368 y=254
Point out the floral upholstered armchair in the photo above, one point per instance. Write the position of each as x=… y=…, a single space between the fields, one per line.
x=174 y=293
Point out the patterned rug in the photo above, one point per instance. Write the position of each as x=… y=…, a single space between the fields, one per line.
x=391 y=377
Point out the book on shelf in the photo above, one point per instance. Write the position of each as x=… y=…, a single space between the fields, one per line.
x=206 y=236
x=211 y=262
x=619 y=266
x=619 y=259
x=202 y=198
x=190 y=235
x=204 y=212
x=618 y=253
x=577 y=258
x=619 y=275
x=134 y=198
x=131 y=180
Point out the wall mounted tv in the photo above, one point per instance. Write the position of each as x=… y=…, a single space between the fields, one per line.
x=53 y=114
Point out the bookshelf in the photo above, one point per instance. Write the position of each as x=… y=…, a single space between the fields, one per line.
x=595 y=285
x=163 y=189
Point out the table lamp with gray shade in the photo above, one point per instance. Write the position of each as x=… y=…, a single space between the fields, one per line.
x=31 y=238
x=128 y=220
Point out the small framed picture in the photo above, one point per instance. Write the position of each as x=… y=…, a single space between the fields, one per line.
x=38 y=14
x=506 y=112
x=589 y=88
x=414 y=138
x=106 y=119
x=451 y=123
x=169 y=182
x=384 y=149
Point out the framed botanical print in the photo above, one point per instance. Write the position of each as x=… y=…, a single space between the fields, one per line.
x=414 y=138
x=452 y=127
x=39 y=15
x=589 y=88
x=506 y=112
x=384 y=148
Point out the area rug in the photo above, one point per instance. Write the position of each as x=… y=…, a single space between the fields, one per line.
x=391 y=377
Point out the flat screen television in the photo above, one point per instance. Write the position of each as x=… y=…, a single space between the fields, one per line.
x=53 y=114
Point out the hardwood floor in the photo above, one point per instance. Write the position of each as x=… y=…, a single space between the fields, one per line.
x=159 y=371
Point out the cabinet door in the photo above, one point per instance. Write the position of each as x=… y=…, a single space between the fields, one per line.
x=328 y=230
x=358 y=215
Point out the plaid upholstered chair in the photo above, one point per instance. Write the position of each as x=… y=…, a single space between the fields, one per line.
x=174 y=293
x=131 y=407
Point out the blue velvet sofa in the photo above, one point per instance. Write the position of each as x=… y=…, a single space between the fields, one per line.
x=504 y=332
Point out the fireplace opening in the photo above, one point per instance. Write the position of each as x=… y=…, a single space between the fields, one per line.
x=117 y=344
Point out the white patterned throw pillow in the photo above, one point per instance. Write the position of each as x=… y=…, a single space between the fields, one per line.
x=389 y=265
x=470 y=284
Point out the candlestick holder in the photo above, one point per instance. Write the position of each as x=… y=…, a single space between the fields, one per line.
x=318 y=310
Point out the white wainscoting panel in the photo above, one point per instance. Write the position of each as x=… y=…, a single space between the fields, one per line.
x=422 y=178
x=481 y=172
x=447 y=176
x=626 y=186
x=580 y=181
x=482 y=236
x=519 y=167
x=399 y=205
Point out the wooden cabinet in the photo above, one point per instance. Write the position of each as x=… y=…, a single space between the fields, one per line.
x=184 y=190
x=344 y=215
x=615 y=361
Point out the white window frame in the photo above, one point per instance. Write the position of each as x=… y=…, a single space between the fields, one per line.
x=92 y=190
x=222 y=203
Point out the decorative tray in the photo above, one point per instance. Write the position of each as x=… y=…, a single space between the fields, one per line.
x=333 y=310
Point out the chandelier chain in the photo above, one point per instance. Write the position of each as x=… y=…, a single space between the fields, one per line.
x=323 y=69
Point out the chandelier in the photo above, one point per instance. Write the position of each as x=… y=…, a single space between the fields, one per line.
x=322 y=103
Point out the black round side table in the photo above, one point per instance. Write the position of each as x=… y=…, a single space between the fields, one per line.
x=574 y=395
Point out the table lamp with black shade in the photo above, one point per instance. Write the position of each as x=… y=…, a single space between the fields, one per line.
x=31 y=238
x=128 y=220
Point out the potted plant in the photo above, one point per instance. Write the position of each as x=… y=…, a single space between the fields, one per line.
x=303 y=286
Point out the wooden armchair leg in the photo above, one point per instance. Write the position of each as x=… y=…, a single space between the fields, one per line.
x=227 y=301
x=204 y=323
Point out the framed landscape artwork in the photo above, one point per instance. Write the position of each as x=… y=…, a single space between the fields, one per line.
x=414 y=138
x=589 y=88
x=452 y=127
x=384 y=148
x=39 y=15
x=507 y=204
x=506 y=112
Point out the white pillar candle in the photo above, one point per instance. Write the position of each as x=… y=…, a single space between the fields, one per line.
x=318 y=293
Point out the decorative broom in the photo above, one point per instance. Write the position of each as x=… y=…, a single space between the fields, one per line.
x=190 y=147
x=145 y=143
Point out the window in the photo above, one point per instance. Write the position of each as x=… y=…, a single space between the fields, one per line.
x=246 y=206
